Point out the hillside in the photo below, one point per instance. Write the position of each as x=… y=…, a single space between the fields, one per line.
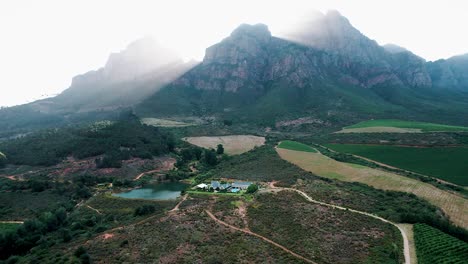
x=336 y=74
x=128 y=77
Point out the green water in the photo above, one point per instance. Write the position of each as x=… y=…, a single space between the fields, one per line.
x=161 y=191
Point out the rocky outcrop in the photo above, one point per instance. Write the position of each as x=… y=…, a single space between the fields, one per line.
x=334 y=34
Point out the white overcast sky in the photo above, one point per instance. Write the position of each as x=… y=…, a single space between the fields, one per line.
x=43 y=44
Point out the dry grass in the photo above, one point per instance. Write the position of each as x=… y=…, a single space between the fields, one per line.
x=163 y=122
x=233 y=145
x=380 y=129
x=453 y=205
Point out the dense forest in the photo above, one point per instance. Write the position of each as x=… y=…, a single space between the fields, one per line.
x=116 y=141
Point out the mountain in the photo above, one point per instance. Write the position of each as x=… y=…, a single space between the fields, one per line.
x=333 y=33
x=330 y=71
x=128 y=77
x=451 y=73
x=325 y=71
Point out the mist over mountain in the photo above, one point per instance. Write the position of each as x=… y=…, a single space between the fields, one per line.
x=323 y=69
x=328 y=71
x=451 y=73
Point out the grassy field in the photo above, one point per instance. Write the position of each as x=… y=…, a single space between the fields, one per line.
x=233 y=145
x=293 y=145
x=164 y=122
x=399 y=126
x=434 y=246
x=446 y=163
x=453 y=205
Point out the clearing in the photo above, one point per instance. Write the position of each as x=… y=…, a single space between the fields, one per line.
x=446 y=163
x=233 y=145
x=398 y=126
x=453 y=205
x=164 y=122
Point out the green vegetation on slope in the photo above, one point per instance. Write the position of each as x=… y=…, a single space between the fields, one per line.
x=293 y=145
x=425 y=127
x=264 y=164
x=446 y=163
x=8 y=227
x=118 y=141
x=434 y=246
x=317 y=233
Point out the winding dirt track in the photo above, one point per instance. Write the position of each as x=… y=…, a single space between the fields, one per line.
x=246 y=231
x=11 y=222
x=406 y=250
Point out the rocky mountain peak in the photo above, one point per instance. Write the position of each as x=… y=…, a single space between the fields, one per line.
x=245 y=41
x=257 y=31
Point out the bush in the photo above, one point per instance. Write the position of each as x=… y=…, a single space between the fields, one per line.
x=252 y=188
x=145 y=210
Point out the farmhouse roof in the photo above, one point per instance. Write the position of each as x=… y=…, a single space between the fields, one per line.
x=241 y=184
x=215 y=184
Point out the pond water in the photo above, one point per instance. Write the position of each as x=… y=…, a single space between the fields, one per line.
x=161 y=191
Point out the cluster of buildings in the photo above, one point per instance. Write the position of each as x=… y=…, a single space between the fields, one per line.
x=233 y=187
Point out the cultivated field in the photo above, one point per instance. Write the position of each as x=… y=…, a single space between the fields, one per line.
x=293 y=145
x=446 y=163
x=453 y=205
x=164 y=122
x=434 y=246
x=398 y=126
x=233 y=145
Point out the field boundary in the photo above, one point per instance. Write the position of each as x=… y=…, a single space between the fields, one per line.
x=453 y=205
x=396 y=168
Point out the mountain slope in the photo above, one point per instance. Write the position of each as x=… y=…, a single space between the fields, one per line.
x=127 y=78
x=252 y=76
x=451 y=73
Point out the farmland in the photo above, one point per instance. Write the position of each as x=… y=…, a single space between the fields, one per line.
x=446 y=163
x=399 y=126
x=434 y=246
x=293 y=145
x=233 y=145
x=453 y=205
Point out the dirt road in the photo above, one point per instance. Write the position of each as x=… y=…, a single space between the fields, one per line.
x=246 y=231
x=406 y=250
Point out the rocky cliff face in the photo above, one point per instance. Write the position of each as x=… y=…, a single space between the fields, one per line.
x=334 y=34
x=451 y=73
x=251 y=57
x=127 y=77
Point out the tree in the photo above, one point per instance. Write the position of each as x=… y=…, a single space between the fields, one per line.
x=210 y=157
x=220 y=149
x=252 y=188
